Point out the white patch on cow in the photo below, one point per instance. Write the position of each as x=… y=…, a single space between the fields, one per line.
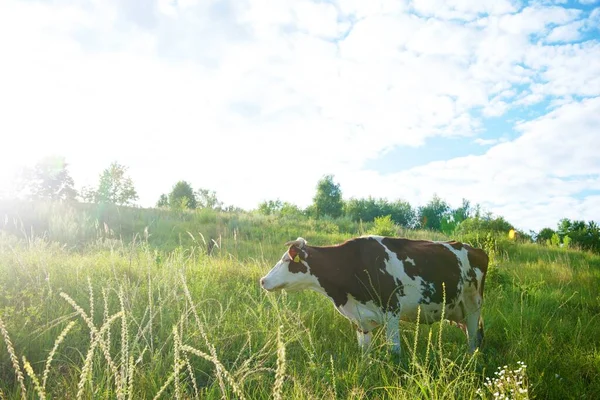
x=364 y=339
x=430 y=289
x=367 y=316
x=393 y=266
x=412 y=288
x=462 y=255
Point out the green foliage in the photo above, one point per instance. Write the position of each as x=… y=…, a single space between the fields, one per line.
x=567 y=241
x=208 y=199
x=182 y=196
x=289 y=210
x=487 y=223
x=463 y=212
x=540 y=311
x=370 y=208
x=448 y=224
x=555 y=240
x=163 y=201
x=585 y=236
x=114 y=187
x=384 y=226
x=49 y=179
x=328 y=199
x=544 y=235
x=430 y=216
x=269 y=207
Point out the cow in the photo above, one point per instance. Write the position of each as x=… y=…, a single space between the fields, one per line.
x=378 y=280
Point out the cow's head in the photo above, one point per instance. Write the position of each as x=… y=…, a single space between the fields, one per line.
x=292 y=271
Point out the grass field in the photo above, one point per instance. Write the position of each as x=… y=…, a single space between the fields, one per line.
x=87 y=312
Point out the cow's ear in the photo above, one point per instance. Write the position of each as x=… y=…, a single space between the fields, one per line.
x=293 y=252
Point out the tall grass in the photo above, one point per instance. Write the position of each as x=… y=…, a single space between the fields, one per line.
x=110 y=318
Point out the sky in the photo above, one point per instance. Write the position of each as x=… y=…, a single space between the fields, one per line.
x=494 y=101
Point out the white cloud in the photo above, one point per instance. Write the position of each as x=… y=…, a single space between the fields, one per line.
x=566 y=33
x=486 y=142
x=239 y=96
x=461 y=9
x=554 y=158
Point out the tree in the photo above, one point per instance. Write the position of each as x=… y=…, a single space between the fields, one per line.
x=269 y=207
x=114 y=187
x=370 y=208
x=208 y=199
x=182 y=196
x=430 y=216
x=585 y=236
x=163 y=201
x=463 y=212
x=290 y=210
x=328 y=199
x=544 y=235
x=49 y=179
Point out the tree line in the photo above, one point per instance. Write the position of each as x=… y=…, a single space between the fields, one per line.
x=435 y=215
x=49 y=179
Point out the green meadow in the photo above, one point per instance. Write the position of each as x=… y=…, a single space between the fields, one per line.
x=129 y=303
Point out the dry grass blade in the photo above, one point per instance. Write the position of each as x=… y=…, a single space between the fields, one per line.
x=87 y=365
x=101 y=342
x=177 y=362
x=57 y=343
x=168 y=381
x=416 y=340
x=124 y=345
x=211 y=348
x=106 y=315
x=219 y=366
x=33 y=377
x=280 y=373
x=130 y=379
x=442 y=318
x=91 y=290
x=14 y=359
x=192 y=377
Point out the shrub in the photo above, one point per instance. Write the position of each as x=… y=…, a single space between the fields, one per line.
x=384 y=226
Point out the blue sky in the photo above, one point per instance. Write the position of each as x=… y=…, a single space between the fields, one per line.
x=494 y=101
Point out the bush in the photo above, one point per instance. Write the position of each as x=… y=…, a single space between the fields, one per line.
x=384 y=226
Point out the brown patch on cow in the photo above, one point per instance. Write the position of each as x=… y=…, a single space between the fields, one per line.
x=472 y=277
x=456 y=245
x=294 y=266
x=354 y=268
x=477 y=258
x=480 y=260
x=433 y=262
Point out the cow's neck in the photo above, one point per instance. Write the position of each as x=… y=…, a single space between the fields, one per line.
x=325 y=264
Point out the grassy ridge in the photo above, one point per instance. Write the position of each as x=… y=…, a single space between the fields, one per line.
x=179 y=322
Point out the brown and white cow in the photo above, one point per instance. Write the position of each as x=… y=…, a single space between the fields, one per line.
x=375 y=280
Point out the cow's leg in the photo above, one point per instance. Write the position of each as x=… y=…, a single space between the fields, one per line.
x=364 y=339
x=392 y=329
